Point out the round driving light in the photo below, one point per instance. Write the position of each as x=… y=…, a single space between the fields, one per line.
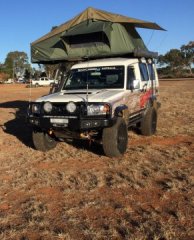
x=48 y=107
x=71 y=107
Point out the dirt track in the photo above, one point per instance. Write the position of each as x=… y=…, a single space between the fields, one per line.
x=75 y=192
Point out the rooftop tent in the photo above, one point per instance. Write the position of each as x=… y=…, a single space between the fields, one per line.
x=91 y=34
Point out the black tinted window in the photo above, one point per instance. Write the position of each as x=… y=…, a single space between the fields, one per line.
x=151 y=71
x=130 y=77
x=143 y=71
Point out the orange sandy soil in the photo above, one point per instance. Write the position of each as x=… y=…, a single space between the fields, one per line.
x=75 y=192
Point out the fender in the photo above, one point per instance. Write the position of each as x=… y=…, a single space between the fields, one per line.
x=119 y=109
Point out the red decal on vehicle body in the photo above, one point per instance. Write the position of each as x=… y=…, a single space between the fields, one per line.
x=144 y=98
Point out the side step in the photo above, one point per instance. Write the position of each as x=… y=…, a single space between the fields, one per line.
x=135 y=119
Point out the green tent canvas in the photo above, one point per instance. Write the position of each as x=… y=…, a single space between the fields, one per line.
x=92 y=34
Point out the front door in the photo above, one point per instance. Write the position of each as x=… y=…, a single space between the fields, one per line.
x=133 y=90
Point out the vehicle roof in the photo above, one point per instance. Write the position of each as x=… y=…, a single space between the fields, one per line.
x=106 y=62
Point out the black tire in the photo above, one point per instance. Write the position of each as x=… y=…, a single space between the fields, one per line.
x=36 y=85
x=115 y=139
x=149 y=122
x=42 y=141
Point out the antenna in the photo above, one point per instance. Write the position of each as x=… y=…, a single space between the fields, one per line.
x=30 y=96
x=87 y=92
x=87 y=85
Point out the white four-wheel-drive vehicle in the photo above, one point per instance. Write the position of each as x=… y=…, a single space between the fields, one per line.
x=43 y=81
x=99 y=100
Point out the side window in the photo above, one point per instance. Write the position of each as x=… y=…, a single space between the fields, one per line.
x=151 y=71
x=130 y=77
x=143 y=72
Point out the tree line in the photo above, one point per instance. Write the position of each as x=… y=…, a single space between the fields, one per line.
x=17 y=66
x=177 y=62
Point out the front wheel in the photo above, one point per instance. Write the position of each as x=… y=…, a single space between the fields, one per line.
x=43 y=141
x=115 y=139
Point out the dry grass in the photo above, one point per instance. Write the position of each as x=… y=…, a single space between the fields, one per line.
x=75 y=192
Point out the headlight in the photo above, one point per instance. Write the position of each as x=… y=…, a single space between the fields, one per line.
x=98 y=109
x=48 y=107
x=35 y=108
x=71 y=107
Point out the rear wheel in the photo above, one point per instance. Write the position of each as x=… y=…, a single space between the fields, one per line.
x=115 y=139
x=149 y=122
x=43 y=141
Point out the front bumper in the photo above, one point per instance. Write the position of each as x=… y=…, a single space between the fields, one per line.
x=73 y=124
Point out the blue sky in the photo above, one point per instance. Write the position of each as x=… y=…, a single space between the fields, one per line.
x=23 y=21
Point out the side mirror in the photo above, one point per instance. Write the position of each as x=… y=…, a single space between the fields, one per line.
x=136 y=84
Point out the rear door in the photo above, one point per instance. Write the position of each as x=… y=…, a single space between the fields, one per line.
x=147 y=83
x=153 y=77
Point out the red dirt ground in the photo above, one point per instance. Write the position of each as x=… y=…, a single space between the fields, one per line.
x=75 y=192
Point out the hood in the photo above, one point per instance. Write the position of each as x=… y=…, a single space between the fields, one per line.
x=94 y=95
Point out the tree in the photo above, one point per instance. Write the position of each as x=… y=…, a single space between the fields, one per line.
x=3 y=76
x=16 y=63
x=55 y=70
x=161 y=61
x=51 y=70
x=188 y=52
x=1 y=67
x=173 y=61
x=177 y=62
x=174 y=58
x=27 y=74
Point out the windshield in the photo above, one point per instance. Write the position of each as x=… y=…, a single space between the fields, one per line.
x=95 y=78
